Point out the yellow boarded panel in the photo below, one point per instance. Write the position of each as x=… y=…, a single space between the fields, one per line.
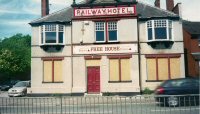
x=58 y=71
x=92 y=62
x=114 y=70
x=47 y=71
x=163 y=72
x=175 y=68
x=125 y=70
x=151 y=69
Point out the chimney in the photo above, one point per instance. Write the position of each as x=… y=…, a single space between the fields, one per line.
x=157 y=3
x=74 y=1
x=44 y=7
x=86 y=1
x=177 y=9
x=169 y=5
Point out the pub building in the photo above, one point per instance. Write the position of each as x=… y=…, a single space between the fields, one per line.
x=106 y=46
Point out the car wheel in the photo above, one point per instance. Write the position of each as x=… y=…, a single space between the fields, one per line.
x=172 y=101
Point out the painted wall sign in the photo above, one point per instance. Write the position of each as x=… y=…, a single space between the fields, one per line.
x=102 y=49
x=105 y=11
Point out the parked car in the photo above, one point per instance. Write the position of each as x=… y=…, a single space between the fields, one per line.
x=7 y=84
x=177 y=92
x=19 y=89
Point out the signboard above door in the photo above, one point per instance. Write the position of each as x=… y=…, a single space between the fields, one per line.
x=105 y=49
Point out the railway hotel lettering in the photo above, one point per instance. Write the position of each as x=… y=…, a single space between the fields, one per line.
x=104 y=11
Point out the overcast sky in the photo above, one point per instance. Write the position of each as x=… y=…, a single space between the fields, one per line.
x=16 y=14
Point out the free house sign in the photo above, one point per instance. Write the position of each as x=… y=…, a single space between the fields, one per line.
x=105 y=49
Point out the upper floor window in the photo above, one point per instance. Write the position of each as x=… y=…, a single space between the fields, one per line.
x=159 y=30
x=52 y=34
x=106 y=31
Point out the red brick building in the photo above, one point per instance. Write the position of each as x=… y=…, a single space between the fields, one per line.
x=191 y=35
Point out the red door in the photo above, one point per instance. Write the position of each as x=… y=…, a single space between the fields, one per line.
x=93 y=74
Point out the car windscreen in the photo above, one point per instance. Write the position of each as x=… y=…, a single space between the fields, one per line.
x=174 y=83
x=21 y=84
x=181 y=83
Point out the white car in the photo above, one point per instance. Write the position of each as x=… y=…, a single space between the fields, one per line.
x=19 y=89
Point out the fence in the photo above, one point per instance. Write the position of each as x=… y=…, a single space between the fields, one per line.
x=101 y=105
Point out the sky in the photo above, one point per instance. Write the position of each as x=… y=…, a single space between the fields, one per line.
x=16 y=14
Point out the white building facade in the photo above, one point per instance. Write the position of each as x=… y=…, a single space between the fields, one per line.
x=99 y=47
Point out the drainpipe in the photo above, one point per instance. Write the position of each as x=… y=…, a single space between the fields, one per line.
x=139 y=55
x=72 y=74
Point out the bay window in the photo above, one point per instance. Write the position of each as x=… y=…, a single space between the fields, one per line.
x=159 y=30
x=52 y=34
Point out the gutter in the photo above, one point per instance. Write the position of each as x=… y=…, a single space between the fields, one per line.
x=53 y=22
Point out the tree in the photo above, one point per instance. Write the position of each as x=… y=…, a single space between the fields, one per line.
x=15 y=55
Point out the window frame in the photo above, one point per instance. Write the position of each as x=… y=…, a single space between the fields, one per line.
x=106 y=31
x=158 y=23
x=115 y=29
x=43 y=30
x=104 y=27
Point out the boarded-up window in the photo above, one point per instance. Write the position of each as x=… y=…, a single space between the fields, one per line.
x=175 y=68
x=58 y=71
x=163 y=68
x=125 y=70
x=151 y=69
x=93 y=63
x=114 y=70
x=53 y=71
x=120 y=70
x=163 y=71
x=47 y=71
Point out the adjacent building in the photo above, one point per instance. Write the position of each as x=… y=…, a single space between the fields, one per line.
x=191 y=35
x=106 y=46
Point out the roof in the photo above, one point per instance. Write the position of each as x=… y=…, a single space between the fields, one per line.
x=108 y=1
x=144 y=11
x=192 y=27
x=63 y=16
